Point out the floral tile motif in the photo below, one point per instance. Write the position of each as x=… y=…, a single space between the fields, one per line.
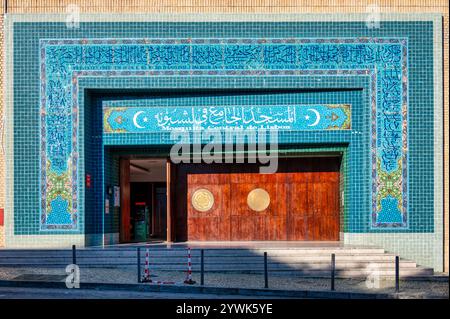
x=63 y=61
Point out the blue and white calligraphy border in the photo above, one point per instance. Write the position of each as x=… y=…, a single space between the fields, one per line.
x=73 y=72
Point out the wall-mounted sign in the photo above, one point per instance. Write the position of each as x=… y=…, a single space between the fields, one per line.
x=192 y=118
x=107 y=206
x=116 y=196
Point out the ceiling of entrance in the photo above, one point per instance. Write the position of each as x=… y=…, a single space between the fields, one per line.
x=148 y=170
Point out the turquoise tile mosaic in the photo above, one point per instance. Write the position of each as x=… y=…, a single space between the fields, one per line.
x=62 y=62
x=391 y=67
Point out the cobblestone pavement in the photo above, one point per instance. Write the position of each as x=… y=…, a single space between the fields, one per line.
x=414 y=288
x=52 y=293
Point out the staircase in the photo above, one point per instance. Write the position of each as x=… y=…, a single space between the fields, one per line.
x=301 y=261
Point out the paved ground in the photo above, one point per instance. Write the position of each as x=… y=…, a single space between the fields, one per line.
x=46 y=293
x=425 y=288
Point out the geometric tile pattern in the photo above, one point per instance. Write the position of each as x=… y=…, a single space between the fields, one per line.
x=64 y=61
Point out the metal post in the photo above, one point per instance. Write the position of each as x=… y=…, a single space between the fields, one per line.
x=397 y=274
x=139 y=264
x=202 y=267
x=74 y=254
x=333 y=270
x=266 y=275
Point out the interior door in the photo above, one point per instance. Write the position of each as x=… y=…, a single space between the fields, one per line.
x=159 y=223
x=125 y=234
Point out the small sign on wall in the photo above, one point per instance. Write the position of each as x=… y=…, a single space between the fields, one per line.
x=107 y=206
x=116 y=196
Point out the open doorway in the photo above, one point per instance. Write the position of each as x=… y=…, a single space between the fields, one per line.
x=144 y=198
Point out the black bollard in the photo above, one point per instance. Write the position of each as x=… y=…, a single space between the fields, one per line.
x=333 y=270
x=202 y=267
x=397 y=274
x=266 y=275
x=138 y=264
x=74 y=254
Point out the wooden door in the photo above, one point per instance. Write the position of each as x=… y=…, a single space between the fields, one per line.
x=304 y=202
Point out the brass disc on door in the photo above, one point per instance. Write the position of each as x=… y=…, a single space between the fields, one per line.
x=258 y=199
x=202 y=200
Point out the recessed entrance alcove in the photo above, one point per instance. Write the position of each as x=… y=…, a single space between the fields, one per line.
x=148 y=197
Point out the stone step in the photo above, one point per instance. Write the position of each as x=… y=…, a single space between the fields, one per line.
x=182 y=261
x=302 y=261
x=218 y=260
x=178 y=252
x=325 y=273
x=356 y=272
x=224 y=258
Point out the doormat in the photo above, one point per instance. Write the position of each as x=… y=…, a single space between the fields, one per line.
x=40 y=277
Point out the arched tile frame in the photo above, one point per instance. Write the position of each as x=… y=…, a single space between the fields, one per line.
x=63 y=62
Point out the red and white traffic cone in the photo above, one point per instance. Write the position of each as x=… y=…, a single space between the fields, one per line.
x=147 y=277
x=189 y=280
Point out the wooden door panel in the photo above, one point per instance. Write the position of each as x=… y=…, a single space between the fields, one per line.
x=213 y=224
x=297 y=228
x=204 y=228
x=313 y=206
x=315 y=202
x=276 y=228
x=269 y=224
x=332 y=210
x=246 y=224
x=248 y=228
x=240 y=192
x=323 y=224
x=297 y=209
x=244 y=178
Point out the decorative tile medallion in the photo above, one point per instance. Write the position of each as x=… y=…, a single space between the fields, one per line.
x=64 y=61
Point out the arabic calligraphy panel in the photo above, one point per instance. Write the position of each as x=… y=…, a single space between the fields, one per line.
x=192 y=118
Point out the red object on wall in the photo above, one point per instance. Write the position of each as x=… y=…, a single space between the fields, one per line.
x=1 y=216
x=88 y=181
x=139 y=203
